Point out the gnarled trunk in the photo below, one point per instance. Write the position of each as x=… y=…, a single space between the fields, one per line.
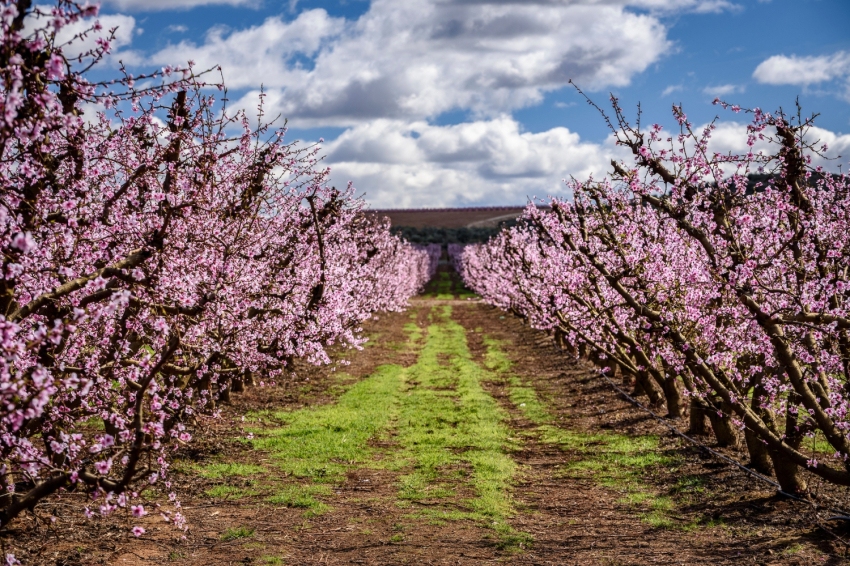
x=721 y=424
x=759 y=454
x=698 y=419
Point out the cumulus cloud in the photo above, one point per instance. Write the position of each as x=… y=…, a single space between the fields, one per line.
x=732 y=137
x=124 y=27
x=386 y=75
x=419 y=58
x=399 y=164
x=698 y=6
x=723 y=90
x=803 y=71
x=155 y=5
x=671 y=89
x=487 y=162
x=270 y=53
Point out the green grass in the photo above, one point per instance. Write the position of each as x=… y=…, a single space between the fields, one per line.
x=322 y=443
x=616 y=461
x=689 y=484
x=522 y=396
x=619 y=462
x=441 y=286
x=413 y=331
x=447 y=285
x=271 y=560
x=229 y=492
x=302 y=497
x=452 y=433
x=234 y=533
x=317 y=445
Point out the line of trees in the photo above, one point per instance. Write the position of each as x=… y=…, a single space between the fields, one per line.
x=716 y=283
x=155 y=258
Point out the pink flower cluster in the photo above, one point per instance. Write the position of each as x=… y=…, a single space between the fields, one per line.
x=720 y=280
x=154 y=260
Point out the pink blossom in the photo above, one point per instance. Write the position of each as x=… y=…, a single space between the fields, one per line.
x=103 y=466
x=24 y=242
x=56 y=67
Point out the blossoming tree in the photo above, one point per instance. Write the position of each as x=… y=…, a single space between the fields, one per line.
x=154 y=259
x=720 y=278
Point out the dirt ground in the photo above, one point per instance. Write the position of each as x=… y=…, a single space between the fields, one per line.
x=562 y=510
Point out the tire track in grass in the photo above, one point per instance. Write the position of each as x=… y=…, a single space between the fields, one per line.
x=615 y=461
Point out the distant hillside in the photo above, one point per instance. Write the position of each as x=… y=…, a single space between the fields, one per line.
x=450 y=225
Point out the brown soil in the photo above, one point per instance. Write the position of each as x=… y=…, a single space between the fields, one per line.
x=573 y=520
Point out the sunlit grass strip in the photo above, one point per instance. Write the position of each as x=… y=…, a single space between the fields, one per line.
x=321 y=443
x=317 y=445
x=453 y=434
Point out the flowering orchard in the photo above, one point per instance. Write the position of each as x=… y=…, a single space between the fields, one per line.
x=155 y=259
x=434 y=251
x=718 y=283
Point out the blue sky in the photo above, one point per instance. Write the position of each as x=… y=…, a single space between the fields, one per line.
x=466 y=102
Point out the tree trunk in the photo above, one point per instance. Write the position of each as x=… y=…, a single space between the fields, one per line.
x=648 y=386
x=759 y=454
x=788 y=473
x=224 y=391
x=721 y=424
x=625 y=375
x=670 y=385
x=673 y=397
x=582 y=350
x=698 y=420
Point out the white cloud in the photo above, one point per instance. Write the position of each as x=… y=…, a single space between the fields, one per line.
x=154 y=5
x=125 y=29
x=177 y=28
x=419 y=58
x=794 y=70
x=670 y=90
x=487 y=162
x=723 y=90
x=400 y=164
x=260 y=54
x=731 y=137
x=698 y=6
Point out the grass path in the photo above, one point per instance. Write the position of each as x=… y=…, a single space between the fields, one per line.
x=451 y=432
x=446 y=444
x=452 y=439
x=445 y=438
x=456 y=437
x=435 y=442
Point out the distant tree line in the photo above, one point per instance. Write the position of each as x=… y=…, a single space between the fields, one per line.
x=432 y=235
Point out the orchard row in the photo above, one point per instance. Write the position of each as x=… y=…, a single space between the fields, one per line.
x=718 y=284
x=156 y=256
